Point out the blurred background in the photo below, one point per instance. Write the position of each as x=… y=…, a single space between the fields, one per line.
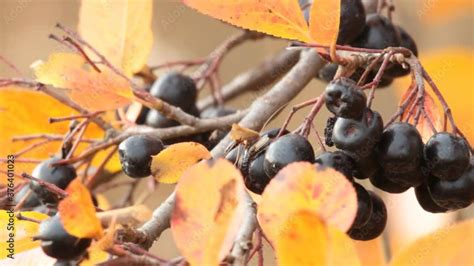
x=440 y=27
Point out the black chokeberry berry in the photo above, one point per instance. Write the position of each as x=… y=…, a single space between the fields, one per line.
x=344 y=98
x=379 y=33
x=352 y=21
x=423 y=196
x=135 y=154
x=257 y=179
x=364 y=206
x=60 y=175
x=32 y=200
x=285 y=150
x=364 y=167
x=376 y=223
x=157 y=120
x=337 y=160
x=446 y=156
x=57 y=243
x=176 y=89
x=273 y=133
x=380 y=180
x=328 y=131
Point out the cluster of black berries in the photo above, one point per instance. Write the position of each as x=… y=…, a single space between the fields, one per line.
x=372 y=31
x=393 y=159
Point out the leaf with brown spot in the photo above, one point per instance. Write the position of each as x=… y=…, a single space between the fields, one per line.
x=77 y=212
x=302 y=186
x=169 y=165
x=210 y=204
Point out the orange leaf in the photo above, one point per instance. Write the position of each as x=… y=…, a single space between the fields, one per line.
x=169 y=165
x=26 y=112
x=210 y=204
x=451 y=69
x=306 y=240
x=300 y=186
x=77 y=212
x=451 y=245
x=324 y=21
x=92 y=90
x=23 y=232
x=371 y=253
x=280 y=18
x=129 y=44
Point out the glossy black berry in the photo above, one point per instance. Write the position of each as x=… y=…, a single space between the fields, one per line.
x=285 y=150
x=376 y=223
x=380 y=180
x=57 y=243
x=32 y=200
x=157 y=120
x=337 y=160
x=397 y=70
x=257 y=179
x=273 y=133
x=60 y=176
x=400 y=149
x=344 y=98
x=364 y=167
x=455 y=194
x=328 y=131
x=176 y=89
x=425 y=200
x=446 y=156
x=364 y=206
x=352 y=21
x=379 y=33
x=135 y=154
x=358 y=136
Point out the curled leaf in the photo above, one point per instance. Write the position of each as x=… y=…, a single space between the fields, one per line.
x=169 y=165
x=210 y=204
x=77 y=212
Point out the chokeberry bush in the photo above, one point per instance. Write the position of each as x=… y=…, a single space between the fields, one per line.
x=95 y=111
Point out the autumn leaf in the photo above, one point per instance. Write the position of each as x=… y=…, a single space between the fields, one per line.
x=94 y=91
x=324 y=21
x=371 y=253
x=239 y=133
x=77 y=212
x=129 y=44
x=23 y=231
x=302 y=186
x=451 y=245
x=280 y=18
x=451 y=69
x=306 y=240
x=169 y=165
x=210 y=204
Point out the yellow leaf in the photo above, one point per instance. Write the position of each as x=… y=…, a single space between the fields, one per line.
x=95 y=256
x=119 y=30
x=300 y=186
x=210 y=204
x=77 y=212
x=92 y=90
x=371 y=253
x=451 y=69
x=23 y=232
x=324 y=21
x=31 y=257
x=280 y=18
x=169 y=165
x=451 y=245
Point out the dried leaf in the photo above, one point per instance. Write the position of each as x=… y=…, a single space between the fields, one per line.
x=169 y=165
x=239 y=133
x=451 y=245
x=324 y=21
x=300 y=186
x=210 y=204
x=129 y=44
x=371 y=253
x=23 y=232
x=280 y=18
x=77 y=212
x=92 y=90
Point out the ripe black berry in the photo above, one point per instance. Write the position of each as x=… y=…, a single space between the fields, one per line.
x=455 y=194
x=273 y=133
x=157 y=120
x=337 y=160
x=344 y=99
x=328 y=131
x=57 y=243
x=257 y=179
x=400 y=149
x=425 y=200
x=380 y=180
x=364 y=206
x=364 y=167
x=176 y=89
x=358 y=137
x=60 y=176
x=31 y=202
x=446 y=156
x=378 y=34
x=135 y=154
x=352 y=21
x=376 y=223
x=285 y=150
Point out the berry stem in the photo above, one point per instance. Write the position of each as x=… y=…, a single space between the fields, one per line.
x=48 y=186
x=73 y=117
x=21 y=217
x=295 y=109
